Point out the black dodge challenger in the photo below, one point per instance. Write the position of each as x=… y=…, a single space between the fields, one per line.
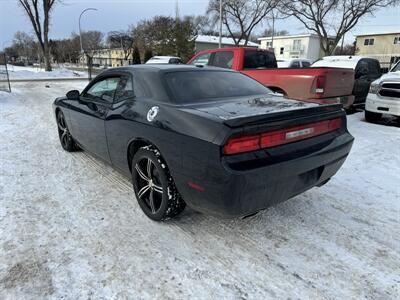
x=210 y=138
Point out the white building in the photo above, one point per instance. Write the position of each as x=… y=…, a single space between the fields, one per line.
x=294 y=46
x=205 y=42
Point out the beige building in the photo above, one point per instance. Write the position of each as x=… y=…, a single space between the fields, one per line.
x=114 y=57
x=383 y=46
x=294 y=46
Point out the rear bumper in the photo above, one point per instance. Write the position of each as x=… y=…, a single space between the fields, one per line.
x=385 y=105
x=232 y=193
x=346 y=101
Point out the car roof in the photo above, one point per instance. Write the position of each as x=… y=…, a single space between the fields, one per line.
x=164 y=57
x=164 y=68
x=342 y=61
x=234 y=49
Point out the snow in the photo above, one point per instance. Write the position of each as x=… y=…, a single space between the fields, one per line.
x=19 y=72
x=70 y=226
x=338 y=61
x=211 y=39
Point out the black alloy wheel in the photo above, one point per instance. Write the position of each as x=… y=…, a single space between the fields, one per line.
x=66 y=140
x=153 y=185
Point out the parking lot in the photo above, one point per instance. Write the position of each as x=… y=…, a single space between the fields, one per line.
x=70 y=226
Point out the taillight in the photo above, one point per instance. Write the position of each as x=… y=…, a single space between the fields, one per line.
x=320 y=84
x=280 y=137
x=242 y=144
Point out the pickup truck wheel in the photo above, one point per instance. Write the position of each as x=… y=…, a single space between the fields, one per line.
x=66 y=140
x=154 y=187
x=372 y=117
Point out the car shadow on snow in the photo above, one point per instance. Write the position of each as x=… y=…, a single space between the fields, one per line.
x=387 y=121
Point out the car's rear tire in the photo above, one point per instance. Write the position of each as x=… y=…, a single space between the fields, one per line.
x=66 y=140
x=372 y=117
x=153 y=185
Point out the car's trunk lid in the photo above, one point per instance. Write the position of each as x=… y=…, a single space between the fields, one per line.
x=259 y=109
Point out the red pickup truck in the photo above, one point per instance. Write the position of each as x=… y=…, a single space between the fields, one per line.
x=320 y=85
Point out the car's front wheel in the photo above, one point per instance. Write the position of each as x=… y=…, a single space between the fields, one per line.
x=154 y=187
x=372 y=117
x=66 y=140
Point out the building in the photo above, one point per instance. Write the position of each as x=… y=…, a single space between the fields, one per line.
x=114 y=57
x=205 y=42
x=384 y=46
x=294 y=46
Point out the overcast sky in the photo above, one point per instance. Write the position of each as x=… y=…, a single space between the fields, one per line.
x=119 y=14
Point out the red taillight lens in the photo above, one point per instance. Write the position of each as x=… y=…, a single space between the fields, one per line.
x=242 y=144
x=335 y=124
x=320 y=84
x=280 y=137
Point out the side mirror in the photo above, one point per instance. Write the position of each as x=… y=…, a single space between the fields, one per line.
x=73 y=95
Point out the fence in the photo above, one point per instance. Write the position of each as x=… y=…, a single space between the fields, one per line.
x=4 y=78
x=94 y=65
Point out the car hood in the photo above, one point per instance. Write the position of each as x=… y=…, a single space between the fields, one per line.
x=391 y=76
x=227 y=109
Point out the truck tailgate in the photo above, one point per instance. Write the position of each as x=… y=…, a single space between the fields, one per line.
x=301 y=84
x=337 y=79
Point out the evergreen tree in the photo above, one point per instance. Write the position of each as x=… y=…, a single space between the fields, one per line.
x=148 y=53
x=136 y=56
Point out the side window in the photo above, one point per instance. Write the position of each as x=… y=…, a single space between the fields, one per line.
x=175 y=61
x=201 y=60
x=306 y=64
x=223 y=59
x=124 y=89
x=295 y=64
x=142 y=89
x=103 y=89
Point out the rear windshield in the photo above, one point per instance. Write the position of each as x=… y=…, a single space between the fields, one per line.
x=200 y=86
x=259 y=60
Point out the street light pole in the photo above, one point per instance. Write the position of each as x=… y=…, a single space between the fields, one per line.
x=80 y=31
x=220 y=24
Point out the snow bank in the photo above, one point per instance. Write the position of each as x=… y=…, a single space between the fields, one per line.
x=18 y=72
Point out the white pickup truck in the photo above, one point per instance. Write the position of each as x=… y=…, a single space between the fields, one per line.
x=384 y=96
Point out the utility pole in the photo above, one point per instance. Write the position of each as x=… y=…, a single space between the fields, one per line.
x=220 y=24
x=341 y=48
x=273 y=30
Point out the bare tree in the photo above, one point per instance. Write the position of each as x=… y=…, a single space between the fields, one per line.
x=92 y=40
x=121 y=39
x=349 y=49
x=240 y=17
x=36 y=12
x=331 y=19
x=270 y=32
x=25 y=45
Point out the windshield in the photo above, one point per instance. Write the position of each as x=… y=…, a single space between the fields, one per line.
x=200 y=86
x=396 y=68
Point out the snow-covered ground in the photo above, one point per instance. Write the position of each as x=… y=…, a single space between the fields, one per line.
x=30 y=72
x=70 y=226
